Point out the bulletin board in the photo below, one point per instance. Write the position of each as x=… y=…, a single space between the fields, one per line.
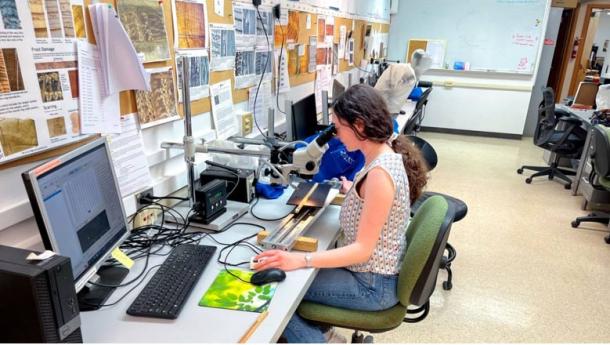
x=343 y=63
x=203 y=106
x=303 y=38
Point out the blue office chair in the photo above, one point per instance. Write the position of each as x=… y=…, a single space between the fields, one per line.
x=567 y=142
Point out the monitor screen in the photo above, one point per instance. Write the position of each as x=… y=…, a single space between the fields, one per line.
x=304 y=118
x=78 y=207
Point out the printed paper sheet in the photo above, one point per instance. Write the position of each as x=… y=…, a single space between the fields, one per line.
x=38 y=77
x=225 y=122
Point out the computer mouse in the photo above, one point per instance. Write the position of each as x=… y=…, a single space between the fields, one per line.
x=269 y=275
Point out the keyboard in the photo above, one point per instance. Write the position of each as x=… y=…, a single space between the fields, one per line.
x=167 y=291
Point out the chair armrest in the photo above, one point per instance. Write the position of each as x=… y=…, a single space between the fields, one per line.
x=571 y=120
x=560 y=113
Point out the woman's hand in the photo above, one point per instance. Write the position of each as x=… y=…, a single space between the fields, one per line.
x=345 y=185
x=283 y=260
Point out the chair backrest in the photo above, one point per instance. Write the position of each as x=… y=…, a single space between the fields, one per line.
x=426 y=240
x=418 y=113
x=426 y=150
x=423 y=100
x=547 y=120
x=600 y=151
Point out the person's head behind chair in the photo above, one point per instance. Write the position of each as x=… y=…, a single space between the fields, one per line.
x=360 y=114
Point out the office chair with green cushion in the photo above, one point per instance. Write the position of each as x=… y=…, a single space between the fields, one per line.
x=460 y=208
x=427 y=235
x=600 y=174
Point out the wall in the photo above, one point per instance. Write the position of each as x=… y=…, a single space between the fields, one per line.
x=167 y=169
x=467 y=100
x=577 y=31
x=544 y=68
x=602 y=34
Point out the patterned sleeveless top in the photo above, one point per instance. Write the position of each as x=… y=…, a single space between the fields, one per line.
x=390 y=248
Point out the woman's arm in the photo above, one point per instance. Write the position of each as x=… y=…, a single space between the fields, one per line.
x=378 y=194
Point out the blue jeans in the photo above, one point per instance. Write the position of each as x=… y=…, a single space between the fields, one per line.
x=339 y=287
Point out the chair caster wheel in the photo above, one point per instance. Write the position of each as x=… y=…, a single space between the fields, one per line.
x=519 y=171
x=575 y=223
x=357 y=339
x=368 y=339
x=447 y=285
x=567 y=186
x=528 y=180
x=550 y=177
x=607 y=239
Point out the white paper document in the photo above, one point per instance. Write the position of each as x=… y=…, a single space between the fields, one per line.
x=342 y=37
x=219 y=7
x=283 y=81
x=129 y=158
x=323 y=81
x=222 y=47
x=436 y=50
x=39 y=88
x=313 y=46
x=199 y=73
x=263 y=102
x=121 y=69
x=222 y=110
x=98 y=113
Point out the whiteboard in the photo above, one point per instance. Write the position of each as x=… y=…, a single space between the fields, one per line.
x=495 y=35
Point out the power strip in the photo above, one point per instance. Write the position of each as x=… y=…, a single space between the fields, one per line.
x=145 y=217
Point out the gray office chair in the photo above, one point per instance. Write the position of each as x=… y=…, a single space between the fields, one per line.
x=600 y=174
x=567 y=142
x=413 y=124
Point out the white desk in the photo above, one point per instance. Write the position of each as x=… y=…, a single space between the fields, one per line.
x=211 y=325
x=403 y=118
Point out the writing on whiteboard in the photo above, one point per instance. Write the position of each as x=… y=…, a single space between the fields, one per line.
x=523 y=65
x=525 y=39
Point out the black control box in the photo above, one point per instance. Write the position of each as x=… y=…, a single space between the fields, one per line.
x=244 y=190
x=38 y=301
x=210 y=201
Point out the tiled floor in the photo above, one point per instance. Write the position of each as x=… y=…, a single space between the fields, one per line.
x=522 y=273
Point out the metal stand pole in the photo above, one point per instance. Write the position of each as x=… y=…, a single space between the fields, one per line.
x=188 y=141
x=271 y=122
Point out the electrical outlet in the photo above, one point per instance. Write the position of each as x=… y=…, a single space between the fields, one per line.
x=145 y=217
x=139 y=204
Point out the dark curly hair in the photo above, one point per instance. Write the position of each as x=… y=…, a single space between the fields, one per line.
x=362 y=103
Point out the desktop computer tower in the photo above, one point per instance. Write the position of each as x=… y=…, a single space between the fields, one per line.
x=38 y=301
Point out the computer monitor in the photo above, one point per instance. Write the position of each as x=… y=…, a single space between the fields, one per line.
x=304 y=118
x=338 y=89
x=586 y=93
x=79 y=210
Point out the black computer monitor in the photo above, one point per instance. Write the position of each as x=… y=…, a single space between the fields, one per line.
x=338 y=89
x=304 y=118
x=79 y=211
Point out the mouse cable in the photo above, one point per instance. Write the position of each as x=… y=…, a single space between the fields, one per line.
x=126 y=293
